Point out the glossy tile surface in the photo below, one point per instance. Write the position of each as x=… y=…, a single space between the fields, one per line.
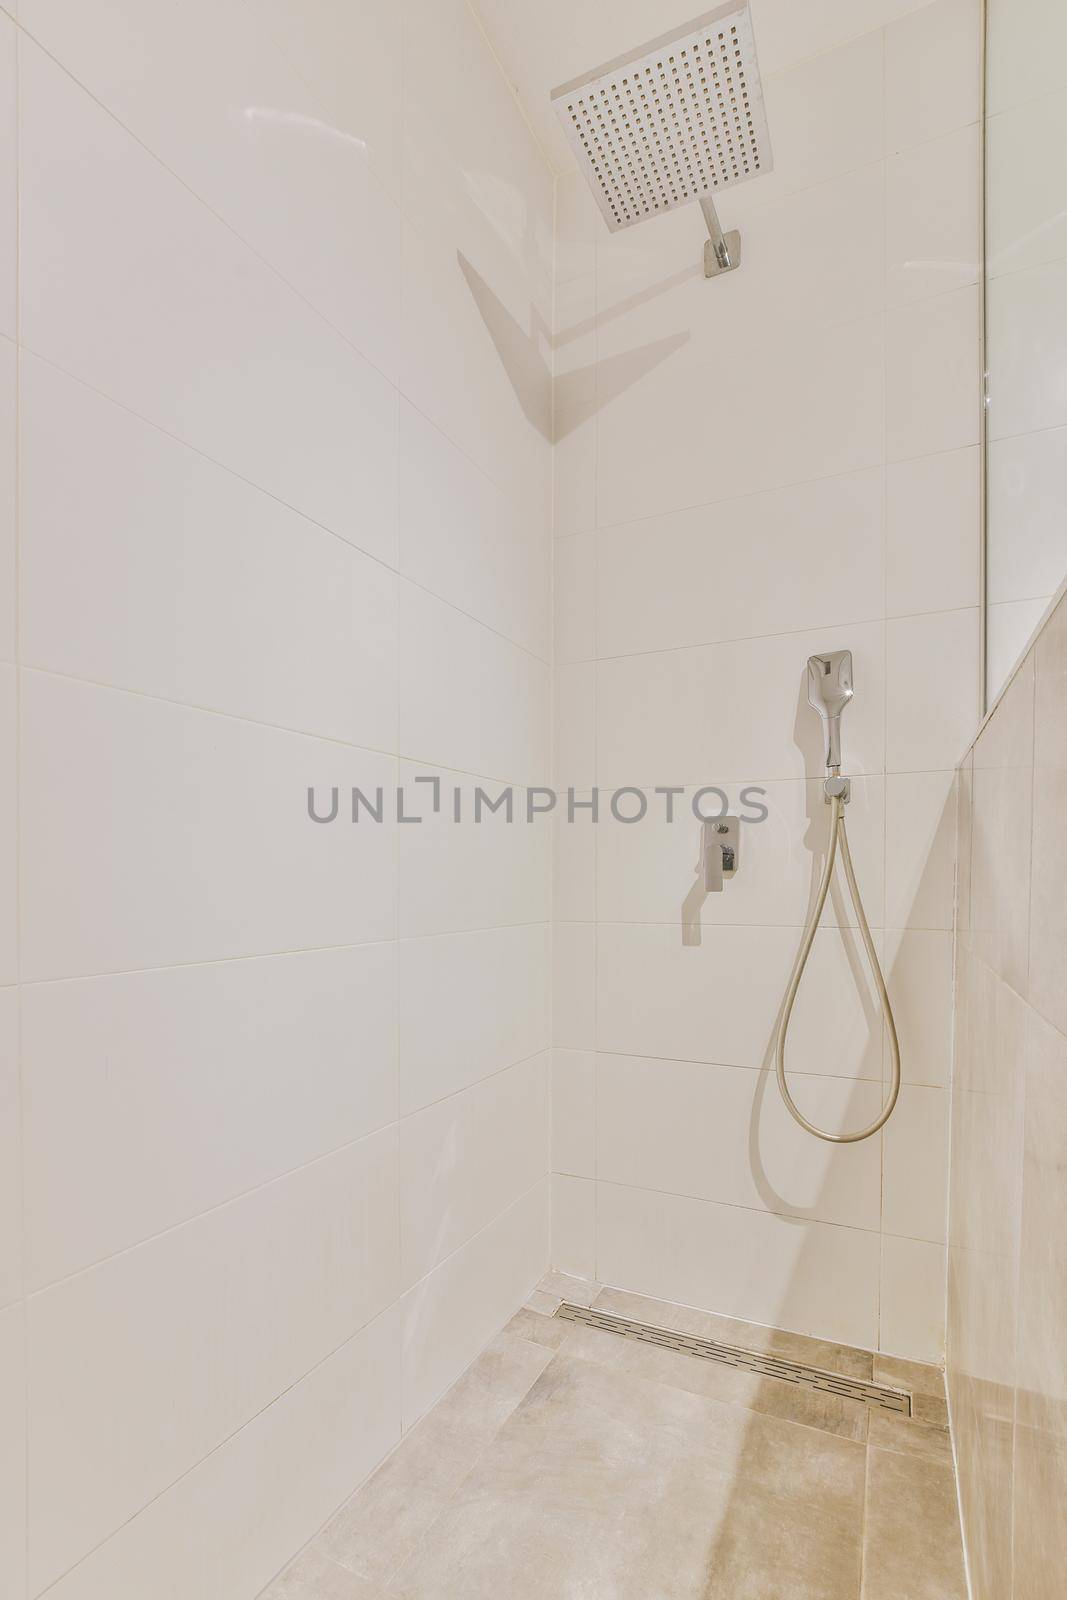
x=782 y=462
x=1008 y=1241
x=574 y=1462
x=275 y=463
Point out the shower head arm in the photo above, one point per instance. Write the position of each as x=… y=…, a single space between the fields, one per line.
x=722 y=251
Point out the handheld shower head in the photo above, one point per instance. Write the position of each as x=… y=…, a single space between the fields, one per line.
x=829 y=692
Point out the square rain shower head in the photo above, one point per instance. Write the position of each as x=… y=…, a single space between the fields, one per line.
x=675 y=120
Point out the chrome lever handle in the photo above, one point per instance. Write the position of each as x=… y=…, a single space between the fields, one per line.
x=719 y=852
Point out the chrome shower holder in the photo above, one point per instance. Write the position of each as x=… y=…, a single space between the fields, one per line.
x=830 y=690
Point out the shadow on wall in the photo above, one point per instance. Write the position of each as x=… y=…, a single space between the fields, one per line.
x=852 y=1040
x=848 y=1545
x=529 y=374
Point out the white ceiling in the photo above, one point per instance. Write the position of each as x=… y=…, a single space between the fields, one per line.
x=543 y=43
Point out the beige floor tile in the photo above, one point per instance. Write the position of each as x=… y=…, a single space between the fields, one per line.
x=376 y=1530
x=579 y=1291
x=769 y=1396
x=774 y=1548
x=313 y=1576
x=915 y=1376
x=931 y=1409
x=606 y=1485
x=912 y=1548
x=549 y=1331
x=820 y=1353
x=910 y=1438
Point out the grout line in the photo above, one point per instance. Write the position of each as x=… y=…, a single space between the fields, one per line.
x=795 y=1216
x=880 y=619
x=394 y=569
x=288 y=1173
x=271 y=955
x=782 y=488
x=278 y=727
x=23 y=1233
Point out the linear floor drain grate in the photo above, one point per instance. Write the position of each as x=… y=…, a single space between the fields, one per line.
x=755 y=1361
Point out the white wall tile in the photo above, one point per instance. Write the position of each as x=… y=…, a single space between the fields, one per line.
x=9 y=899
x=724 y=1133
x=932 y=72
x=265 y=1491
x=13 y=1451
x=8 y=176
x=574 y=468
x=453 y=1312
x=574 y=981
x=470 y=1003
x=700 y=576
x=481 y=871
x=1010 y=626
x=718 y=1000
x=807 y=107
x=574 y=851
x=470 y=163
x=148 y=567
x=352 y=59
x=469 y=699
x=652 y=297
x=463 y=539
x=467 y=308
x=648 y=871
x=573 y=1247
x=225 y=299
x=912 y=1319
x=931 y=222
x=920 y=849
x=932 y=388
x=1027 y=488
x=256 y=143
x=1027 y=340
x=741 y=1263
x=787 y=34
x=915 y=1198
x=466 y=1159
x=578 y=227
x=1018 y=72
x=574 y=1113
x=574 y=741
x=928 y=728
x=154 y=1096
x=132 y=285
x=575 y=597
x=576 y=374
x=156 y=854
x=805 y=405
x=1025 y=180
x=918 y=973
x=8 y=468
x=668 y=718
x=933 y=534
x=11 y=1270
x=185 y=1314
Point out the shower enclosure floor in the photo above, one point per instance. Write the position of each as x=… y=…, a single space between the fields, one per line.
x=571 y=1462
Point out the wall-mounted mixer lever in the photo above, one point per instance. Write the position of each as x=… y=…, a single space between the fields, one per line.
x=720 y=850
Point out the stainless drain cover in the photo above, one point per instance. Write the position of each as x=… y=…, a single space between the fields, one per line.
x=754 y=1361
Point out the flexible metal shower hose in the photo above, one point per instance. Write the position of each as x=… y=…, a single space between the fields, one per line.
x=838 y=836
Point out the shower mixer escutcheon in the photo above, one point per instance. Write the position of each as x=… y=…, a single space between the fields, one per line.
x=720 y=851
